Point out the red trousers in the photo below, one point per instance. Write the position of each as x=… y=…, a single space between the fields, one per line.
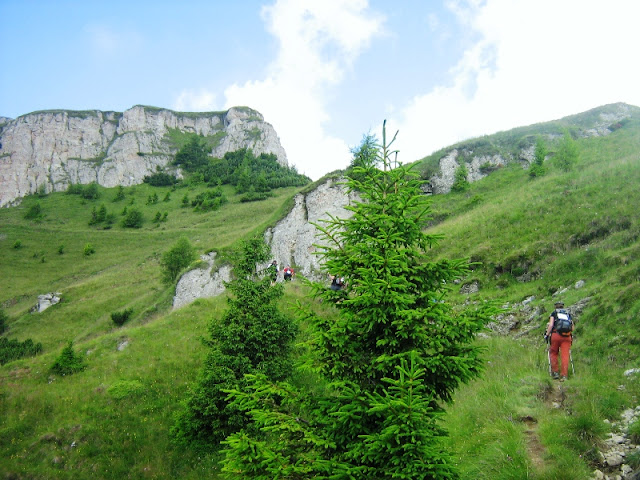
x=558 y=342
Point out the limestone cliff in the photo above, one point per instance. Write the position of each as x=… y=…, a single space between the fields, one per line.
x=482 y=155
x=291 y=241
x=51 y=149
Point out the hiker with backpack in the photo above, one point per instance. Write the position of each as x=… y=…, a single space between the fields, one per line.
x=337 y=282
x=288 y=273
x=273 y=272
x=559 y=337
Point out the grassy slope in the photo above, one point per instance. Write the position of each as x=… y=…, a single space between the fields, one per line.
x=119 y=410
x=562 y=227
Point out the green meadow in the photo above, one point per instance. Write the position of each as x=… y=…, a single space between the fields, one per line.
x=530 y=237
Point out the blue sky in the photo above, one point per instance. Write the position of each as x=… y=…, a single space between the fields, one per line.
x=325 y=72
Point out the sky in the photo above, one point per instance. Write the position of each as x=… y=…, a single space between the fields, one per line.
x=325 y=73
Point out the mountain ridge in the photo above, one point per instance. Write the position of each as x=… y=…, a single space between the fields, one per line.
x=49 y=150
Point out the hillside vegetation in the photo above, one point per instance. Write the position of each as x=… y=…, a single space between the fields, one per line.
x=531 y=237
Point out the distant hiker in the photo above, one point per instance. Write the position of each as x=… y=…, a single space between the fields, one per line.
x=559 y=336
x=288 y=273
x=273 y=271
x=337 y=282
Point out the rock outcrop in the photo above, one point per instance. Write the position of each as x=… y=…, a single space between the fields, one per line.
x=202 y=282
x=483 y=155
x=292 y=241
x=52 y=149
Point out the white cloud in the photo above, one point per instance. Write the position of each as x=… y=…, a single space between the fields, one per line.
x=195 y=101
x=536 y=60
x=318 y=42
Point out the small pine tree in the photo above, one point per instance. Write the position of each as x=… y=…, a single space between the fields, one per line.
x=393 y=356
x=68 y=362
x=567 y=155
x=252 y=336
x=460 y=182
x=540 y=153
x=119 y=194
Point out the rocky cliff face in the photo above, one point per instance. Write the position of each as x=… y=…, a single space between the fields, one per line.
x=52 y=149
x=291 y=241
x=600 y=121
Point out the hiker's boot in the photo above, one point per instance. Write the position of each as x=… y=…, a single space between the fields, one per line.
x=555 y=375
x=563 y=378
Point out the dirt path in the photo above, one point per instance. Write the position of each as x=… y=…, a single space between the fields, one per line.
x=553 y=397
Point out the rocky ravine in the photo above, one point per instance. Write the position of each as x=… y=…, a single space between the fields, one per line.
x=52 y=149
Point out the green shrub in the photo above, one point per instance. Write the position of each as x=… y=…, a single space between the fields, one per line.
x=119 y=318
x=133 y=219
x=74 y=189
x=90 y=192
x=160 y=179
x=68 y=362
x=634 y=432
x=125 y=388
x=17 y=244
x=60 y=249
x=14 y=349
x=252 y=196
x=34 y=212
x=120 y=194
x=209 y=200
x=3 y=321
x=460 y=183
x=89 y=250
x=176 y=259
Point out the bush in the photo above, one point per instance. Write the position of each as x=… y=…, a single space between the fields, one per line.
x=17 y=244
x=3 y=321
x=176 y=259
x=133 y=219
x=160 y=179
x=68 y=362
x=89 y=250
x=90 y=192
x=120 y=194
x=34 y=212
x=119 y=318
x=13 y=349
x=252 y=196
x=209 y=200
x=74 y=189
x=460 y=183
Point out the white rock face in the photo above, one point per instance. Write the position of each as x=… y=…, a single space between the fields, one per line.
x=292 y=239
x=442 y=181
x=201 y=283
x=51 y=150
x=46 y=300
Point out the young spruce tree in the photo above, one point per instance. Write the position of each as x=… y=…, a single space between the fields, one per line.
x=252 y=336
x=391 y=359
